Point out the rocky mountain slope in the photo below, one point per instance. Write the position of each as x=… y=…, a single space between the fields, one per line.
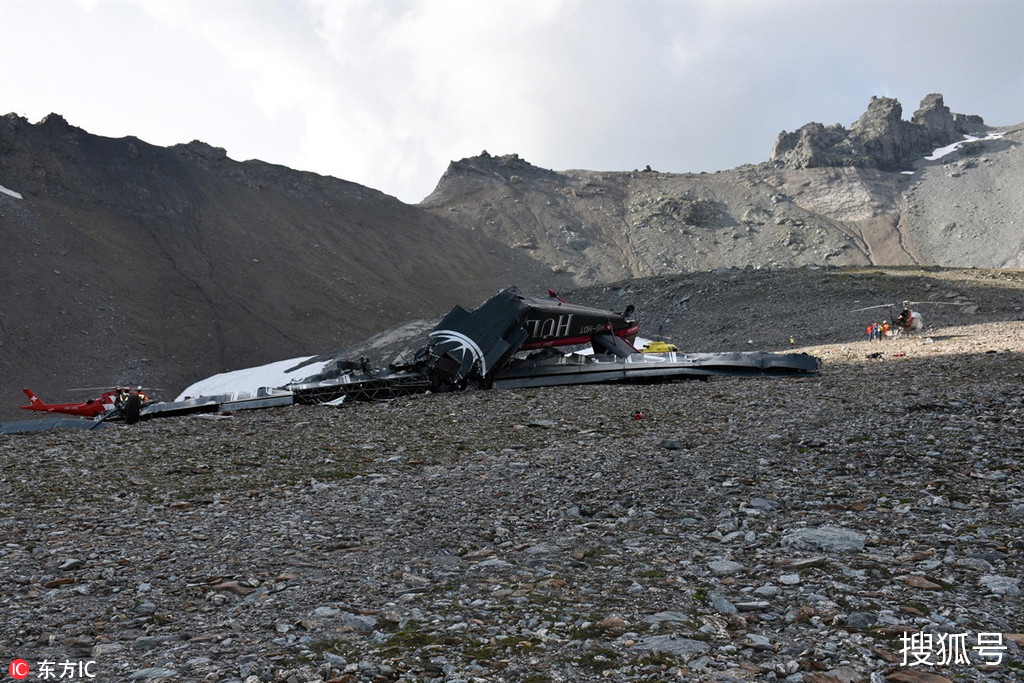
x=124 y=262
x=743 y=530
x=828 y=196
x=129 y=263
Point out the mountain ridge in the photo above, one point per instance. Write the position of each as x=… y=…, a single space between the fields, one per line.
x=127 y=262
x=131 y=263
x=820 y=200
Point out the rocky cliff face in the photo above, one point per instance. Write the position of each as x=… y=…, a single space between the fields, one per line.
x=602 y=227
x=828 y=196
x=878 y=139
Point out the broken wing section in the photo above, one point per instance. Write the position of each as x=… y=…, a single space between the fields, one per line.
x=469 y=345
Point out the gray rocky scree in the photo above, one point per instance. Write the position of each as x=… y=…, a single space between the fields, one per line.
x=794 y=530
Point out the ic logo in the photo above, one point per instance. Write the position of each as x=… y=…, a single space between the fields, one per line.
x=19 y=669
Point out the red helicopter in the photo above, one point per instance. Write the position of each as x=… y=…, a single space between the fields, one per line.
x=114 y=403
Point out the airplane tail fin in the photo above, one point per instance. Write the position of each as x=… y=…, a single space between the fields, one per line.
x=34 y=401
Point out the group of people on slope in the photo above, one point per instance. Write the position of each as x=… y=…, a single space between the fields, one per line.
x=876 y=331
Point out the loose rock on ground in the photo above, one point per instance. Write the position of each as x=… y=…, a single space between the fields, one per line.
x=743 y=529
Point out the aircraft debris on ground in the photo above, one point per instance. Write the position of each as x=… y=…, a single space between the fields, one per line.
x=513 y=341
x=509 y=341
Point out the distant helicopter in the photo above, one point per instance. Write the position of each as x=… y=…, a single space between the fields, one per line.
x=908 y=319
x=114 y=403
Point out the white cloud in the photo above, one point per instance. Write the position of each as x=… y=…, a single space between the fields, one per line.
x=386 y=93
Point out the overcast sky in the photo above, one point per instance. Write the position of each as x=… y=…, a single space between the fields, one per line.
x=387 y=93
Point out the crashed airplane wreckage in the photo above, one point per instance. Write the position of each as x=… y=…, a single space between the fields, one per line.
x=511 y=341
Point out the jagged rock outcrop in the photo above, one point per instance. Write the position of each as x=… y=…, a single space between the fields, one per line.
x=936 y=119
x=880 y=130
x=880 y=138
x=834 y=197
x=815 y=145
x=830 y=196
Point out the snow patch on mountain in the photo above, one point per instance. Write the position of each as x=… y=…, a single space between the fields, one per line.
x=949 y=149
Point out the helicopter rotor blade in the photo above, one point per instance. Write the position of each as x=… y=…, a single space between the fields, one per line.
x=935 y=303
x=908 y=303
x=114 y=388
x=868 y=308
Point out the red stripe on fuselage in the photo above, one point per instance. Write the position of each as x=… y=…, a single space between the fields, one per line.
x=573 y=341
